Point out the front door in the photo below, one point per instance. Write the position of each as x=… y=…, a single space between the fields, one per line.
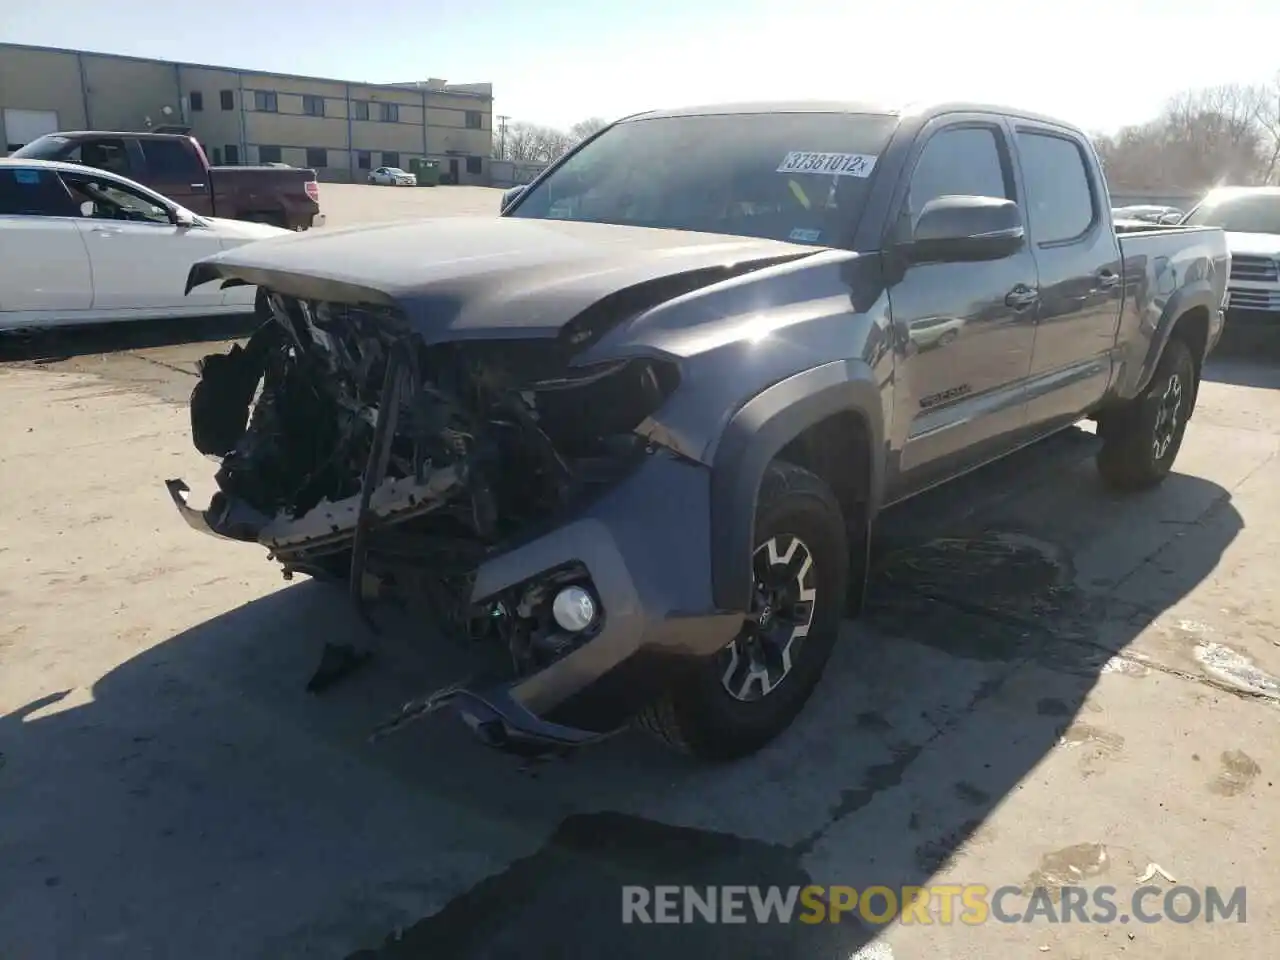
x=962 y=332
x=453 y=171
x=140 y=257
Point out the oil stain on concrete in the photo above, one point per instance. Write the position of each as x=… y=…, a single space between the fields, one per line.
x=1237 y=773
x=1070 y=866
x=984 y=597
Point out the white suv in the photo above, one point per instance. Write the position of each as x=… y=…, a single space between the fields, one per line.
x=1250 y=216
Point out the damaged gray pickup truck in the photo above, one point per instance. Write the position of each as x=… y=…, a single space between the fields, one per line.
x=630 y=436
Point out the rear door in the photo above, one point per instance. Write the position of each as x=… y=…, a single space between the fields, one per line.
x=140 y=257
x=1079 y=262
x=44 y=264
x=963 y=332
x=176 y=170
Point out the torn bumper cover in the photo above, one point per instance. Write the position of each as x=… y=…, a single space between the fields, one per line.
x=654 y=600
x=368 y=455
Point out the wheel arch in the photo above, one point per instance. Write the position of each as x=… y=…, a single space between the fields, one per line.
x=827 y=419
x=1188 y=312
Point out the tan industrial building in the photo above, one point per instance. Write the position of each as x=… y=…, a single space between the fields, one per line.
x=341 y=129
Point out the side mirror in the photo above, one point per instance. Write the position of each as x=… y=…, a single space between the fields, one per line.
x=88 y=209
x=181 y=218
x=510 y=196
x=960 y=229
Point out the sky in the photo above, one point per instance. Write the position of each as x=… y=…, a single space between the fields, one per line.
x=1097 y=64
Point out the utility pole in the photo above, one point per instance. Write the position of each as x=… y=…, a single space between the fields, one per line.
x=502 y=135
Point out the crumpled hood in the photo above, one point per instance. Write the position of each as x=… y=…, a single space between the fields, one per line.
x=492 y=277
x=1254 y=244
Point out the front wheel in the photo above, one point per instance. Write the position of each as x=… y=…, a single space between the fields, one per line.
x=1141 y=440
x=738 y=700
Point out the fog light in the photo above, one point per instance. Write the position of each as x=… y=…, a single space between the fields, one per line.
x=574 y=609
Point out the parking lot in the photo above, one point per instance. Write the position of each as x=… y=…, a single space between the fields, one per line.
x=1054 y=686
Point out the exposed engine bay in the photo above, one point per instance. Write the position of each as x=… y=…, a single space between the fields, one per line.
x=352 y=449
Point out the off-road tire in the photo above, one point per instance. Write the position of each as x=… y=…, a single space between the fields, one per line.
x=1127 y=461
x=698 y=716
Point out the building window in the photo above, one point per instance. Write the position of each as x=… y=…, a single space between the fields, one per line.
x=390 y=112
x=228 y=99
x=364 y=160
x=390 y=158
x=317 y=157
x=269 y=155
x=217 y=156
x=264 y=101
x=475 y=121
x=361 y=108
x=475 y=165
x=313 y=106
x=233 y=154
x=197 y=100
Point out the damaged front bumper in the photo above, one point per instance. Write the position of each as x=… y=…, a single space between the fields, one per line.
x=645 y=549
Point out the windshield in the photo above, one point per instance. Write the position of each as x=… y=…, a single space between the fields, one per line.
x=42 y=148
x=1245 y=213
x=800 y=177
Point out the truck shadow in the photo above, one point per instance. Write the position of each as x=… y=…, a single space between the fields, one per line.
x=61 y=343
x=256 y=820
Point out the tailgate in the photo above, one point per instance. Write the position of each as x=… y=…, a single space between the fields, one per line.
x=292 y=193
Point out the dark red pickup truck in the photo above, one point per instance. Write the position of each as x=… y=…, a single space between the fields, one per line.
x=176 y=166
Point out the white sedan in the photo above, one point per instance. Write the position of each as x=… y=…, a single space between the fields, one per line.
x=393 y=177
x=80 y=245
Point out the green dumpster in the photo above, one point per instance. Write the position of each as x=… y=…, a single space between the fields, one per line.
x=427 y=172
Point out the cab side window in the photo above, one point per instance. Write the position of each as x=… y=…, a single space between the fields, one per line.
x=960 y=161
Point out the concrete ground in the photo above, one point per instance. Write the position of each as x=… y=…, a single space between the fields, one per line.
x=347 y=204
x=1054 y=685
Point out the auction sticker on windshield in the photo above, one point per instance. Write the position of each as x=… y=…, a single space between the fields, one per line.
x=839 y=164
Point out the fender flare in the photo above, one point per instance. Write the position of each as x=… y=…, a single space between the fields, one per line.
x=1182 y=301
x=755 y=435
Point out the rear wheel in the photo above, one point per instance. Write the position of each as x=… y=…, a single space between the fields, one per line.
x=1141 y=440
x=737 y=701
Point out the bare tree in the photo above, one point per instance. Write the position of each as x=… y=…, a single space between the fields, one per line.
x=1267 y=116
x=531 y=143
x=585 y=128
x=1202 y=138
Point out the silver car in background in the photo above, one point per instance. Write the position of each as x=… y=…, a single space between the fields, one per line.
x=393 y=177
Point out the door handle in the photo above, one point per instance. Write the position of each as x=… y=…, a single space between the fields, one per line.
x=1107 y=279
x=1021 y=297
x=197 y=186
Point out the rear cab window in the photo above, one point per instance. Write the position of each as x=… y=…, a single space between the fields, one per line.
x=1061 y=203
